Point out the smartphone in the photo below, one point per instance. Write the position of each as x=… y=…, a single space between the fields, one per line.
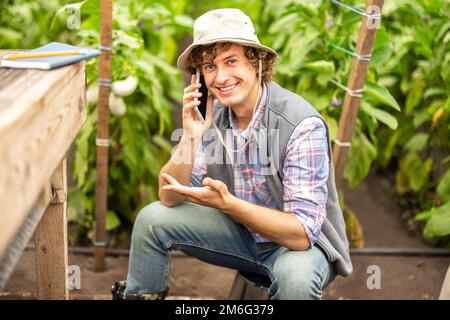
x=201 y=109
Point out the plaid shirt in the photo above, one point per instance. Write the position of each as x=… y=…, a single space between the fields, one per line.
x=305 y=172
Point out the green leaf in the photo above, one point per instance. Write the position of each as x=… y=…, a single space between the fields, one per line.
x=326 y=67
x=12 y=35
x=151 y=156
x=417 y=142
x=73 y=6
x=349 y=18
x=420 y=117
x=323 y=79
x=443 y=188
x=361 y=155
x=446 y=38
x=439 y=223
x=332 y=126
x=284 y=23
x=386 y=147
x=381 y=55
x=91 y=7
x=112 y=220
x=380 y=115
x=388 y=80
x=424 y=215
x=318 y=101
x=184 y=21
x=401 y=182
x=72 y=214
x=383 y=48
x=413 y=174
x=433 y=91
x=80 y=169
x=443 y=30
x=126 y=39
x=279 y=41
x=414 y=96
x=381 y=94
x=382 y=38
x=163 y=143
x=419 y=174
x=91 y=10
x=160 y=63
x=423 y=42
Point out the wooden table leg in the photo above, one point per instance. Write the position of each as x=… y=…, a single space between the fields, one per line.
x=51 y=242
x=445 y=290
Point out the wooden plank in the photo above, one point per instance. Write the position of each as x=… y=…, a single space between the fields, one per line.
x=351 y=104
x=40 y=115
x=51 y=242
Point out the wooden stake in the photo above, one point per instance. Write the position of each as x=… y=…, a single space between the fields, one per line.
x=356 y=81
x=103 y=134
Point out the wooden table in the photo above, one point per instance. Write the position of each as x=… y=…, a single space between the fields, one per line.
x=40 y=114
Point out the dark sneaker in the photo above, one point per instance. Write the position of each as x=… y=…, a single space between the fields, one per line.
x=118 y=293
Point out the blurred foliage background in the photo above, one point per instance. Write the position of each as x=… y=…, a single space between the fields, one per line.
x=403 y=126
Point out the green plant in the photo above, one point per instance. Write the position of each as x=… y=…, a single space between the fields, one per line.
x=145 y=37
x=418 y=75
x=308 y=61
x=407 y=90
x=25 y=24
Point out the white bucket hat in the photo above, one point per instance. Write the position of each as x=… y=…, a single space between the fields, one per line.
x=222 y=25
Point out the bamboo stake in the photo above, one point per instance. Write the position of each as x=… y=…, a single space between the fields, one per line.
x=103 y=134
x=356 y=81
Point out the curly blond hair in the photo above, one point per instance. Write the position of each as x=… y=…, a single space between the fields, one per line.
x=207 y=53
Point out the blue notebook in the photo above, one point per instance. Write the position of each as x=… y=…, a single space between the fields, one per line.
x=47 y=63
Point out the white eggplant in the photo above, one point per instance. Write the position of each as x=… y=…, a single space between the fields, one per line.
x=123 y=88
x=92 y=94
x=116 y=105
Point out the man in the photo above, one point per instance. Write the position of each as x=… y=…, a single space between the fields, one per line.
x=250 y=188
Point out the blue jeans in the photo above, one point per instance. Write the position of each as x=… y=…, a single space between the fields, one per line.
x=212 y=236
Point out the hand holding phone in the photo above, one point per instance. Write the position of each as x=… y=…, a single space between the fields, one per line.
x=195 y=124
x=201 y=109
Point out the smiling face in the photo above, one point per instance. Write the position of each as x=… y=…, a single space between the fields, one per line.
x=232 y=79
